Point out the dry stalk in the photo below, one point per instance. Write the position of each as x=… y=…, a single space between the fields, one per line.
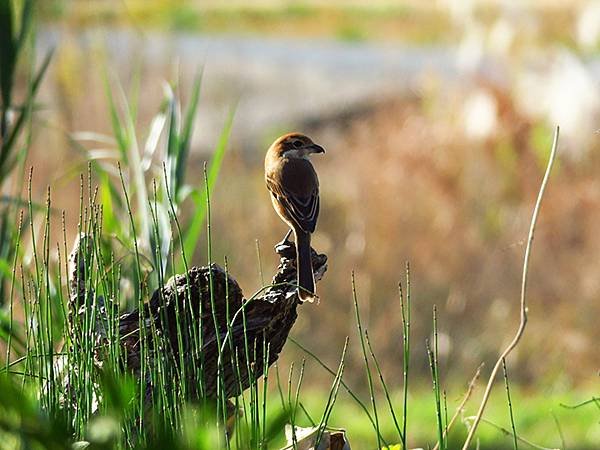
x=523 y=322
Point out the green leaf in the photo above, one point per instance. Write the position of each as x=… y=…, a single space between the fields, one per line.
x=192 y=234
x=115 y=120
x=135 y=90
x=8 y=144
x=110 y=222
x=172 y=144
x=26 y=16
x=8 y=54
x=186 y=135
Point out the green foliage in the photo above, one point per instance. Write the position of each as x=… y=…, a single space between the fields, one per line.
x=22 y=422
x=12 y=46
x=154 y=175
x=194 y=230
x=15 y=135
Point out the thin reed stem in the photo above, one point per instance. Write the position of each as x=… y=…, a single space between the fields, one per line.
x=366 y=360
x=523 y=304
x=405 y=314
x=510 y=408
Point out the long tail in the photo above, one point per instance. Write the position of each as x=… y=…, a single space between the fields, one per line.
x=306 y=279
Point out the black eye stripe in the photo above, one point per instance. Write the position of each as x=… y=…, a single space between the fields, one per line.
x=297 y=144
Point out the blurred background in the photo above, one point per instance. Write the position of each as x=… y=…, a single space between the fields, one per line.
x=437 y=118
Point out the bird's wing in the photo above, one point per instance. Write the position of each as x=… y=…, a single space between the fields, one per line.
x=303 y=208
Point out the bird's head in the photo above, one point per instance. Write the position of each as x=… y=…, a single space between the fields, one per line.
x=295 y=145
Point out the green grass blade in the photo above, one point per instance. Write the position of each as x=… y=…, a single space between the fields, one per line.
x=192 y=234
x=405 y=315
x=361 y=336
x=24 y=114
x=432 y=354
x=172 y=143
x=8 y=57
x=332 y=396
x=115 y=120
x=384 y=386
x=510 y=407
x=26 y=18
x=186 y=134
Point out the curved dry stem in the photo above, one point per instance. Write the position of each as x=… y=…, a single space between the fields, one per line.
x=523 y=322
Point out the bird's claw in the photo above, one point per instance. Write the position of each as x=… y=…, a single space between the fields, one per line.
x=284 y=244
x=283 y=247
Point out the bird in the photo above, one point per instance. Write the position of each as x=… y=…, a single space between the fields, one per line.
x=294 y=187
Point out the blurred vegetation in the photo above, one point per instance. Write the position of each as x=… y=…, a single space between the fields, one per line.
x=453 y=204
x=456 y=205
x=15 y=128
x=409 y=21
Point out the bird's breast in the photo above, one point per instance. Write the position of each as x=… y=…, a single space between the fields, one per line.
x=299 y=177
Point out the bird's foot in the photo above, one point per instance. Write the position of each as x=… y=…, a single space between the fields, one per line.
x=285 y=248
x=285 y=244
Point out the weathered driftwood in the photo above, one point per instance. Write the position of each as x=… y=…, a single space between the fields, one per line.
x=173 y=317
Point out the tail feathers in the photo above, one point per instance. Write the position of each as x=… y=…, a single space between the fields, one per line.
x=306 y=279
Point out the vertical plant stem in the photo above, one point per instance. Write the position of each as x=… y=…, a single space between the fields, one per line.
x=193 y=330
x=266 y=348
x=12 y=291
x=510 y=408
x=405 y=313
x=220 y=381
x=523 y=304
x=292 y=421
x=332 y=396
x=366 y=360
x=435 y=376
x=298 y=386
x=141 y=318
x=260 y=269
x=384 y=385
x=52 y=387
x=461 y=407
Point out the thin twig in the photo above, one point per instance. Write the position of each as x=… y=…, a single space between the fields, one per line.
x=523 y=321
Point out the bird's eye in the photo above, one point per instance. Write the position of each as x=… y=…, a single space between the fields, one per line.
x=297 y=144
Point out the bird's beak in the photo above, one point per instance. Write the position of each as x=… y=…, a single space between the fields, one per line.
x=314 y=148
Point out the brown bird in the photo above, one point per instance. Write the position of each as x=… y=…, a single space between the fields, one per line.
x=294 y=187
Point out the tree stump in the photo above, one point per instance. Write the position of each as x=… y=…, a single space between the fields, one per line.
x=181 y=327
